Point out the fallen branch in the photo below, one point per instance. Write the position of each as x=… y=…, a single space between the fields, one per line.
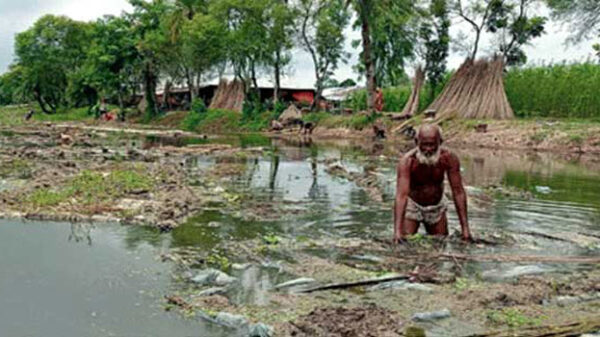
x=520 y=258
x=543 y=236
x=347 y=285
x=565 y=330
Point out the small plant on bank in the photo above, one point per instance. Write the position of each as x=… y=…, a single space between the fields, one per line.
x=512 y=318
x=194 y=116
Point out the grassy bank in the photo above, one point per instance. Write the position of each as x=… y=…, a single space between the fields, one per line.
x=15 y=115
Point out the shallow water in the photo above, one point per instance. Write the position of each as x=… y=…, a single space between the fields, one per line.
x=75 y=280
x=549 y=196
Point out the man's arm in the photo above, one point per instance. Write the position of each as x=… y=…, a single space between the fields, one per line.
x=460 y=197
x=402 y=190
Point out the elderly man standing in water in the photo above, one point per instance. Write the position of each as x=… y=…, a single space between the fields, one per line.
x=420 y=188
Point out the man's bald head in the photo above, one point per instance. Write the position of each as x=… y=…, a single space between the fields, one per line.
x=429 y=141
x=428 y=132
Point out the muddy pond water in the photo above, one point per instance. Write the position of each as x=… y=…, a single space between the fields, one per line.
x=62 y=279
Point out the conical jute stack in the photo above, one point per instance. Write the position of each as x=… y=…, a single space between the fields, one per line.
x=412 y=105
x=229 y=95
x=476 y=91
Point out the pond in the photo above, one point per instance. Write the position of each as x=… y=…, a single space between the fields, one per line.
x=63 y=279
x=108 y=280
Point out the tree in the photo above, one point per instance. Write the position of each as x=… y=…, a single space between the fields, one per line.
x=47 y=55
x=321 y=26
x=147 y=30
x=280 y=32
x=202 y=44
x=387 y=39
x=507 y=20
x=435 y=35
x=11 y=86
x=476 y=13
x=112 y=59
x=514 y=28
x=582 y=15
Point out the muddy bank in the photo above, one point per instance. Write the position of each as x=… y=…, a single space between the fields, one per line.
x=80 y=174
x=530 y=135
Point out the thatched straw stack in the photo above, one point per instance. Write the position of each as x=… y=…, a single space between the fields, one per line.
x=476 y=90
x=412 y=106
x=229 y=95
x=290 y=114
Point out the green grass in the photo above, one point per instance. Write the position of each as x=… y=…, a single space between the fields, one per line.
x=18 y=167
x=324 y=119
x=91 y=187
x=512 y=318
x=13 y=115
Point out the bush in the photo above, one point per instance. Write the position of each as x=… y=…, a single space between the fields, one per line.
x=220 y=121
x=194 y=116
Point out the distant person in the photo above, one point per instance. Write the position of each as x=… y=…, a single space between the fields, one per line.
x=378 y=100
x=420 y=188
x=29 y=115
x=103 y=107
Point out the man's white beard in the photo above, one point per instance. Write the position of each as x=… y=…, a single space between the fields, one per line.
x=428 y=160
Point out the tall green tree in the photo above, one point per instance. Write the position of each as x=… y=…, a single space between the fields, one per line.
x=280 y=33
x=434 y=33
x=514 y=28
x=148 y=30
x=388 y=34
x=11 y=86
x=47 y=55
x=203 y=41
x=321 y=25
x=113 y=60
x=246 y=36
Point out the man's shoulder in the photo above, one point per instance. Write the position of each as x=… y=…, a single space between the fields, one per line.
x=407 y=158
x=448 y=157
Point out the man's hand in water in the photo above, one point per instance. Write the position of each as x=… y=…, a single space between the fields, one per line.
x=467 y=238
x=399 y=239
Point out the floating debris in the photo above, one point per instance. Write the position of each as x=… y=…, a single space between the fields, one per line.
x=431 y=316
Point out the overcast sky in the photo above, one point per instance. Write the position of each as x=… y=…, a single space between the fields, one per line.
x=16 y=16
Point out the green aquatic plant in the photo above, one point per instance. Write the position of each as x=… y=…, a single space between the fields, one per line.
x=513 y=318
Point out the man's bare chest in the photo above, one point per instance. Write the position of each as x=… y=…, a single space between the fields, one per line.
x=422 y=175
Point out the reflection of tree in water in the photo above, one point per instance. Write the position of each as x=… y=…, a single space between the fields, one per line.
x=81 y=231
x=274 y=168
x=138 y=235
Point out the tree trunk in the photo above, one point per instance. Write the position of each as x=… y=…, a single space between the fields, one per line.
x=368 y=60
x=318 y=91
x=190 y=83
x=476 y=46
x=277 y=77
x=150 y=91
x=121 y=106
x=166 y=94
